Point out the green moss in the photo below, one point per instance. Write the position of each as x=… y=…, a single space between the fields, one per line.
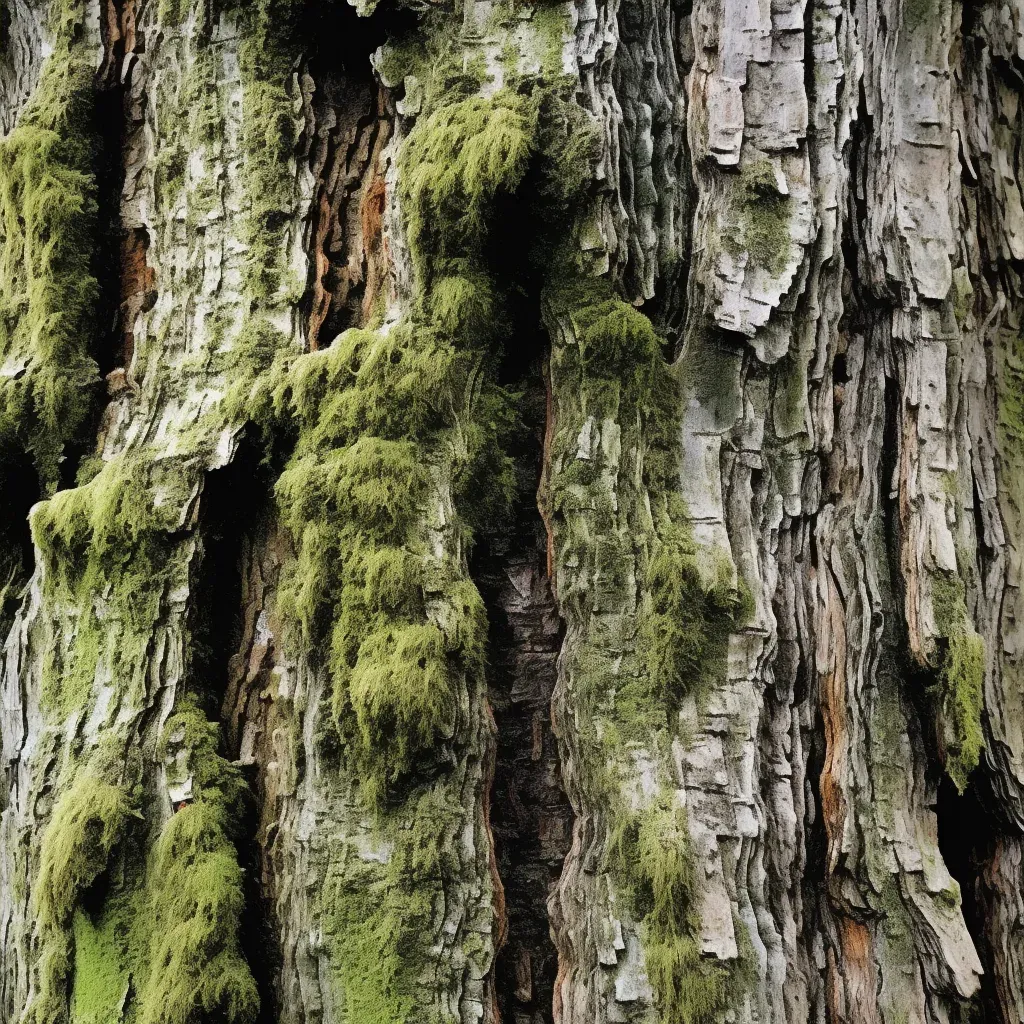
x=373 y=413
x=378 y=910
x=372 y=423
x=763 y=215
x=961 y=681
x=109 y=539
x=195 y=895
x=897 y=924
x=622 y=542
x=101 y=977
x=48 y=294
x=173 y=12
x=268 y=58
x=164 y=946
x=454 y=164
x=650 y=857
x=88 y=822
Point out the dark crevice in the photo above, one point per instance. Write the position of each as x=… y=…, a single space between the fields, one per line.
x=109 y=129
x=19 y=491
x=233 y=501
x=965 y=841
x=531 y=819
x=348 y=123
x=530 y=816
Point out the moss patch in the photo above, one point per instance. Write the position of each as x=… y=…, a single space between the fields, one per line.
x=376 y=915
x=101 y=977
x=195 y=895
x=88 y=822
x=650 y=855
x=454 y=164
x=762 y=214
x=961 y=681
x=106 y=548
x=48 y=294
x=620 y=531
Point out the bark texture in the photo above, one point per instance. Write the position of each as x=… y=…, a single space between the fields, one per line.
x=512 y=512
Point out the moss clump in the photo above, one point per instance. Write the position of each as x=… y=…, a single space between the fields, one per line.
x=112 y=537
x=961 y=681
x=381 y=426
x=763 y=215
x=651 y=860
x=454 y=164
x=268 y=57
x=101 y=978
x=374 y=414
x=377 y=914
x=48 y=294
x=88 y=822
x=195 y=895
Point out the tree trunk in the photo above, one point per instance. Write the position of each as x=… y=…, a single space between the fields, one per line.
x=511 y=512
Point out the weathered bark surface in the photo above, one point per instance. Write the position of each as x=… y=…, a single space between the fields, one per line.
x=511 y=512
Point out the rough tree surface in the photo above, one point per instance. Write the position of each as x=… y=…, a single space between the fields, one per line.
x=511 y=511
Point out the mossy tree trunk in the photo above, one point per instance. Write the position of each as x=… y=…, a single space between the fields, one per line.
x=511 y=511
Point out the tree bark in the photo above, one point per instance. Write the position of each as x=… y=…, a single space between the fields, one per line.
x=512 y=512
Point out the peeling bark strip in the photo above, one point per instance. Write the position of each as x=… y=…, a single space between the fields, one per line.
x=548 y=545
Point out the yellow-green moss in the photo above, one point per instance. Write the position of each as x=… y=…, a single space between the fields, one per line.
x=620 y=532
x=651 y=859
x=48 y=294
x=374 y=422
x=268 y=59
x=454 y=164
x=373 y=413
x=376 y=914
x=88 y=822
x=101 y=976
x=111 y=537
x=195 y=895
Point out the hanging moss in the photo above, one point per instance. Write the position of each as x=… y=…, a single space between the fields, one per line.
x=373 y=413
x=101 y=977
x=454 y=164
x=88 y=822
x=377 y=420
x=195 y=895
x=111 y=537
x=620 y=530
x=48 y=294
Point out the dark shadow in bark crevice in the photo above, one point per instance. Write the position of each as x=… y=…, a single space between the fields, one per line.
x=530 y=815
x=966 y=835
x=233 y=502
x=19 y=491
x=531 y=819
x=349 y=120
